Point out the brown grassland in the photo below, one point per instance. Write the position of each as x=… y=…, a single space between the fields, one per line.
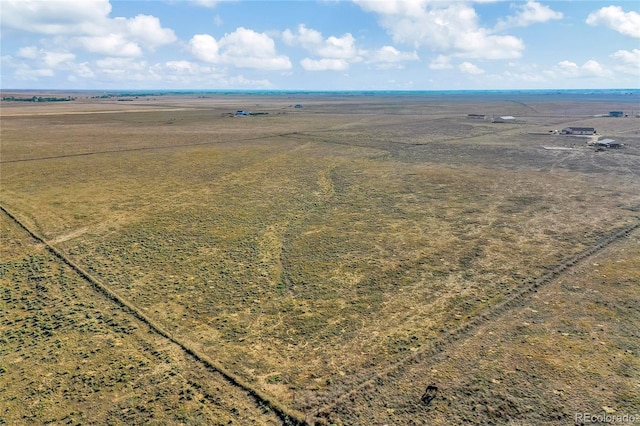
x=165 y=262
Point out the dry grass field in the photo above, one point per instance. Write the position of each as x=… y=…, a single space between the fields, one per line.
x=318 y=265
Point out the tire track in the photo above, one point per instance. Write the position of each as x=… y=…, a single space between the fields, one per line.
x=287 y=415
x=457 y=334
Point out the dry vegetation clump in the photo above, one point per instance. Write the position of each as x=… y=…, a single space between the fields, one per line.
x=307 y=251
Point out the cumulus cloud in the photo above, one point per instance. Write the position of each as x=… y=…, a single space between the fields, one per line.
x=530 y=13
x=55 y=17
x=86 y=24
x=204 y=47
x=330 y=48
x=337 y=53
x=147 y=30
x=568 y=69
x=629 y=57
x=628 y=62
x=243 y=48
x=250 y=49
x=48 y=59
x=309 y=39
x=615 y=18
x=332 y=53
x=469 y=68
x=390 y=57
x=450 y=27
x=110 y=45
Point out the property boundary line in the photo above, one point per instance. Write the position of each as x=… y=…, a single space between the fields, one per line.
x=459 y=333
x=287 y=415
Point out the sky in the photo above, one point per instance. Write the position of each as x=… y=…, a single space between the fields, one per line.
x=319 y=45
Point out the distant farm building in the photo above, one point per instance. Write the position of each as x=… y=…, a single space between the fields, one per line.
x=242 y=112
x=298 y=106
x=477 y=116
x=608 y=143
x=578 y=131
x=616 y=114
x=505 y=119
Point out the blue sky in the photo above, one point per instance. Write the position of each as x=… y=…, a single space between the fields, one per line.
x=319 y=45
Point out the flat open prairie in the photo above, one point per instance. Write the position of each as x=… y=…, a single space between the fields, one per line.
x=167 y=262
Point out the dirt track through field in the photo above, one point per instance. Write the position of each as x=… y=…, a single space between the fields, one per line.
x=427 y=356
x=424 y=357
x=287 y=415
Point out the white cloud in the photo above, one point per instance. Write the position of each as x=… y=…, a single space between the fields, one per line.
x=333 y=47
x=448 y=27
x=54 y=59
x=530 y=13
x=23 y=71
x=469 y=68
x=249 y=49
x=46 y=58
x=592 y=67
x=481 y=45
x=243 y=48
x=628 y=61
x=442 y=62
x=389 y=56
x=28 y=73
x=309 y=39
x=613 y=17
x=83 y=70
x=568 y=69
x=86 y=24
x=339 y=47
x=147 y=30
x=628 y=57
x=55 y=17
x=204 y=47
x=181 y=67
x=110 y=45
x=324 y=64
x=29 y=52
x=337 y=53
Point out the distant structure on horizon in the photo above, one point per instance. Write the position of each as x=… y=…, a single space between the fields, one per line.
x=505 y=119
x=616 y=114
x=578 y=131
x=477 y=116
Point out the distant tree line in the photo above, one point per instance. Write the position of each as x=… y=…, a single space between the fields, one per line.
x=38 y=99
x=125 y=95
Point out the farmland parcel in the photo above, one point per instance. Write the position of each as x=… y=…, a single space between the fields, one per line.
x=328 y=262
